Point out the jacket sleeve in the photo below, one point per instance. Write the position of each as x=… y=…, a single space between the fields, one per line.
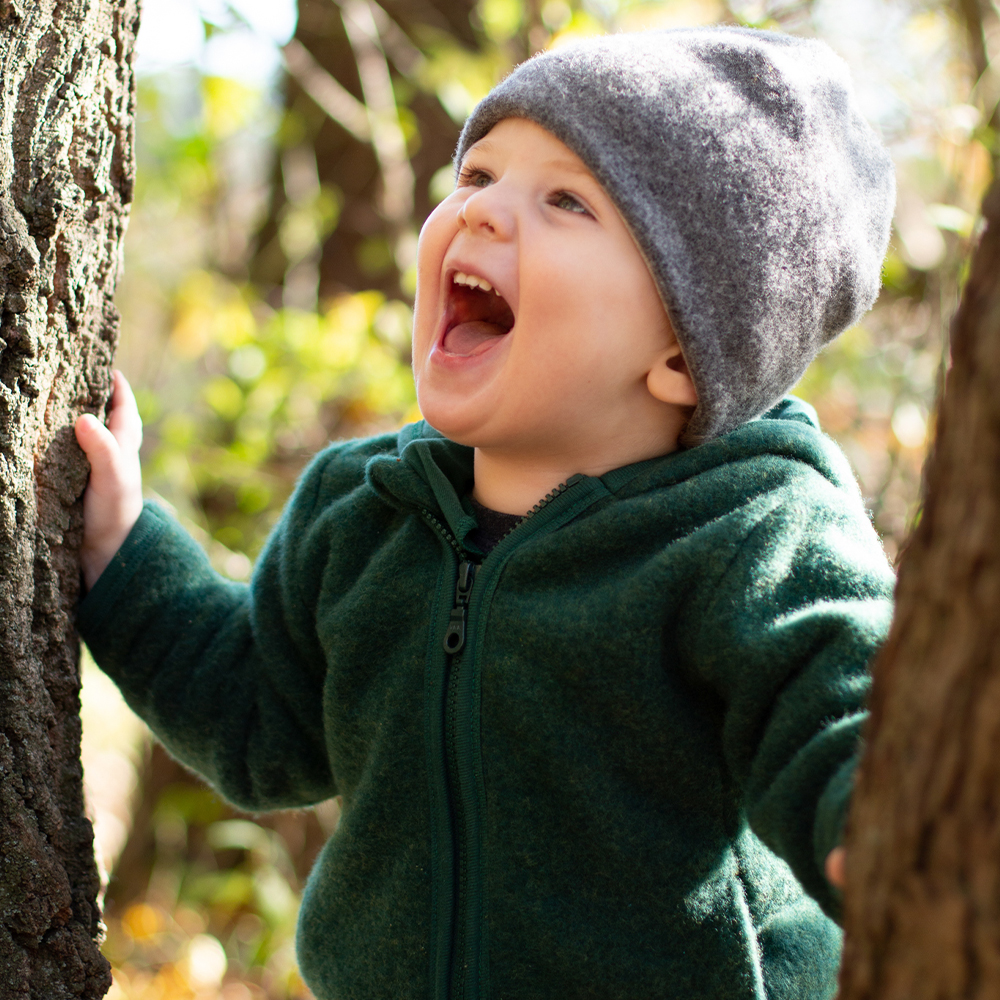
x=229 y=676
x=783 y=627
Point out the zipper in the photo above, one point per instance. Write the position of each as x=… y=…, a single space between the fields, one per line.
x=458 y=772
x=549 y=497
x=454 y=638
x=449 y=980
x=443 y=532
x=459 y=731
x=544 y=502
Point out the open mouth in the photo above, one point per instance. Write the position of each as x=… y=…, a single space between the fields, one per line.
x=477 y=315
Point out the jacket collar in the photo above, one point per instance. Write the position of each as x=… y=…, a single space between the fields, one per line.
x=432 y=474
x=428 y=473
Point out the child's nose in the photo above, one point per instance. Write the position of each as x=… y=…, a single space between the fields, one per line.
x=486 y=211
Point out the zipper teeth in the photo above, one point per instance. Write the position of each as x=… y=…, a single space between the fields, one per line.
x=544 y=502
x=549 y=497
x=443 y=531
x=460 y=819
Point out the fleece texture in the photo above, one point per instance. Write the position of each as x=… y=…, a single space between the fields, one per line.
x=758 y=194
x=622 y=786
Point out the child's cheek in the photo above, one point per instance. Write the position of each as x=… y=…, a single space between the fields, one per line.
x=426 y=306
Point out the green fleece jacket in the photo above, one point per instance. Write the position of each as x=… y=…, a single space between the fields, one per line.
x=606 y=761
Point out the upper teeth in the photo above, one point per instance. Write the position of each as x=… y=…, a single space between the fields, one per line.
x=473 y=281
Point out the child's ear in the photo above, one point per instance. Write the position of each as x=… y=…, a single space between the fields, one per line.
x=669 y=380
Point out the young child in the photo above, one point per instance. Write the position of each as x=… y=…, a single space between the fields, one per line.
x=585 y=651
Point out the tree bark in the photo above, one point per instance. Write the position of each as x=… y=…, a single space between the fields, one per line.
x=922 y=902
x=66 y=174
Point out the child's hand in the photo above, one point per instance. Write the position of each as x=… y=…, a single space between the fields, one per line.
x=113 y=501
x=835 y=867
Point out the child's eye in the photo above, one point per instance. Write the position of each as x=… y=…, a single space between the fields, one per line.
x=566 y=201
x=473 y=177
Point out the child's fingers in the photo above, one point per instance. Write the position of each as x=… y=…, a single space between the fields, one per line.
x=124 y=421
x=98 y=444
x=113 y=499
x=835 y=862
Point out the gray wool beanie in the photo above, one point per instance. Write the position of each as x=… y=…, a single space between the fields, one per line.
x=759 y=196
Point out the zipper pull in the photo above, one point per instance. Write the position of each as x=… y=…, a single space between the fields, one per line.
x=454 y=638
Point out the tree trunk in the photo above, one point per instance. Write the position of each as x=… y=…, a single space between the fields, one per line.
x=922 y=904
x=66 y=173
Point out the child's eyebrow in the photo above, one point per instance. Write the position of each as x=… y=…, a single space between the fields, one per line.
x=482 y=146
x=570 y=166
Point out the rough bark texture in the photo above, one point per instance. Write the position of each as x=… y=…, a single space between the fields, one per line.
x=922 y=904
x=66 y=173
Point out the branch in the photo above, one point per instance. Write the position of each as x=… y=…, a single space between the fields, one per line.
x=406 y=57
x=340 y=104
x=383 y=115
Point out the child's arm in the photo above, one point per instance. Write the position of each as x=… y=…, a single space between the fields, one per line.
x=113 y=501
x=783 y=630
x=229 y=676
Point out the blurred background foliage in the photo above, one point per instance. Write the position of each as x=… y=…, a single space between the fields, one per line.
x=287 y=156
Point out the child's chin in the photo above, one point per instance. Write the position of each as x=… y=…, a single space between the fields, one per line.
x=460 y=427
x=442 y=417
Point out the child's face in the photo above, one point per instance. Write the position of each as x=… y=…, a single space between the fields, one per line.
x=556 y=357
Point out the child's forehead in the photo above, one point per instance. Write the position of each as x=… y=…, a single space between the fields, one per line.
x=529 y=141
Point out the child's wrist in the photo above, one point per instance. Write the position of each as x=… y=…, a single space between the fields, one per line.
x=96 y=555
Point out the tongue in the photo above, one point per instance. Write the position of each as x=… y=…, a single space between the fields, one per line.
x=472 y=337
